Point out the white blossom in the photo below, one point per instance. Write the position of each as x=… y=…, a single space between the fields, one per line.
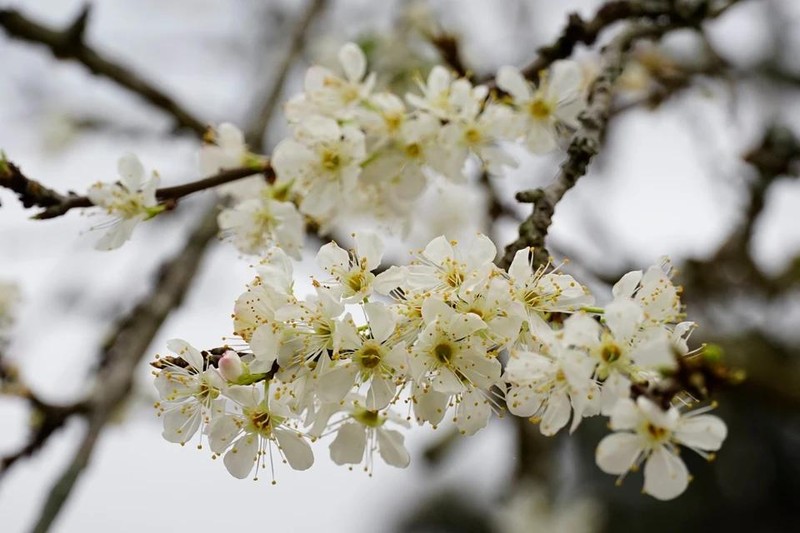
x=331 y=95
x=323 y=160
x=644 y=432
x=556 y=102
x=363 y=431
x=258 y=223
x=131 y=200
x=189 y=394
x=448 y=98
x=352 y=271
x=262 y=420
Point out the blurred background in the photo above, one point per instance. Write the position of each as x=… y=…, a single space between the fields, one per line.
x=671 y=180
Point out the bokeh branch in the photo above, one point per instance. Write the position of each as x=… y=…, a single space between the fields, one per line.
x=123 y=352
x=131 y=339
x=69 y=44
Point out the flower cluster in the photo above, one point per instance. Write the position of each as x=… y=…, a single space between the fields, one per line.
x=451 y=336
x=355 y=150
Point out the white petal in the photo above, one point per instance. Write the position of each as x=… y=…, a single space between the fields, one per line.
x=520 y=269
x=265 y=343
x=117 y=235
x=623 y=317
x=429 y=405
x=665 y=475
x=187 y=352
x=222 y=433
x=627 y=284
x=481 y=252
x=295 y=449
x=655 y=353
x=381 y=320
x=511 y=81
x=181 y=423
x=230 y=137
x=472 y=413
x=333 y=259
x=353 y=61
x=242 y=456
x=348 y=446
x=565 y=81
x=370 y=246
x=556 y=414
x=704 y=432
x=334 y=385
x=390 y=446
x=438 y=250
x=131 y=171
x=625 y=414
x=380 y=393
x=617 y=452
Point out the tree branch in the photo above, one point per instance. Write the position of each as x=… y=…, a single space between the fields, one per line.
x=69 y=44
x=584 y=146
x=32 y=193
x=586 y=32
x=123 y=353
x=255 y=133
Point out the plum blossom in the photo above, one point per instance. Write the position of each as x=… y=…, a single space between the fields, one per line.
x=263 y=420
x=189 y=394
x=644 y=432
x=323 y=160
x=258 y=223
x=543 y=110
x=131 y=200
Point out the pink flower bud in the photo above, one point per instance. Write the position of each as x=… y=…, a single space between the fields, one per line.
x=230 y=366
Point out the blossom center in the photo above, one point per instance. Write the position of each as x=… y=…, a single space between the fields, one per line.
x=472 y=135
x=331 y=160
x=443 y=353
x=370 y=357
x=368 y=418
x=540 y=109
x=260 y=421
x=610 y=352
x=413 y=150
x=657 y=434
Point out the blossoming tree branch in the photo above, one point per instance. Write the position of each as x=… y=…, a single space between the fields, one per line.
x=461 y=334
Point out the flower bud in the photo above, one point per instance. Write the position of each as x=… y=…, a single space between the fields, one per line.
x=230 y=366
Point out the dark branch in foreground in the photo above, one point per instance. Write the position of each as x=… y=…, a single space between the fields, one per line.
x=69 y=44
x=33 y=194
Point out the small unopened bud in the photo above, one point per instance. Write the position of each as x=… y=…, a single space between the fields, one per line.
x=230 y=366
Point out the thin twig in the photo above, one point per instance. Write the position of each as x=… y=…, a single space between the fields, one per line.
x=33 y=194
x=255 y=133
x=582 y=149
x=586 y=32
x=69 y=44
